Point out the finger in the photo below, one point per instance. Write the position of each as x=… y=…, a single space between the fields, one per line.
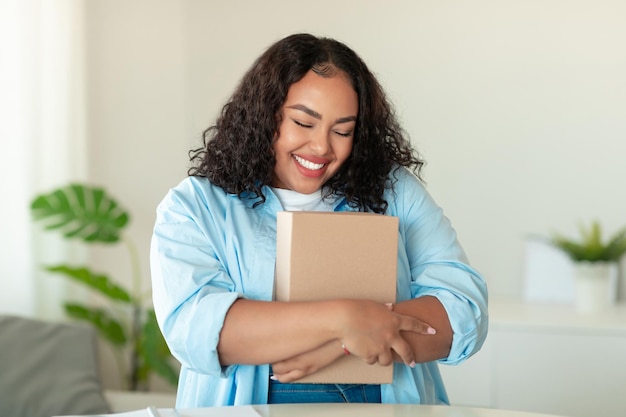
x=385 y=359
x=289 y=376
x=279 y=368
x=404 y=351
x=412 y=324
x=371 y=360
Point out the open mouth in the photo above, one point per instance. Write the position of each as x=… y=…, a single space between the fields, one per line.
x=308 y=164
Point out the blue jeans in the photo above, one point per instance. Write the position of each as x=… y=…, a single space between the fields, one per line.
x=280 y=393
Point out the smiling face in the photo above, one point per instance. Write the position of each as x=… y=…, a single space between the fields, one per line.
x=315 y=133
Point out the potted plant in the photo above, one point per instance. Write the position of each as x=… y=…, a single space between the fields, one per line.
x=595 y=265
x=127 y=323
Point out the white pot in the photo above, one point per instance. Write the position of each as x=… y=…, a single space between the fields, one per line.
x=596 y=285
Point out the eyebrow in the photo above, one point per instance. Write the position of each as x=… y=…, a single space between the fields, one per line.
x=318 y=116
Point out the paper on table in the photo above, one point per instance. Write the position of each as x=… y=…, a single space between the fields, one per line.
x=241 y=411
x=144 y=412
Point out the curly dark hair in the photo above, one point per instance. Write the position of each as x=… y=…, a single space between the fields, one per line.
x=237 y=152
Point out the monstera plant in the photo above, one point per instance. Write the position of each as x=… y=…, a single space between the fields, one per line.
x=126 y=322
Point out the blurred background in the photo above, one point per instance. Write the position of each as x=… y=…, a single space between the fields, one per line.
x=518 y=107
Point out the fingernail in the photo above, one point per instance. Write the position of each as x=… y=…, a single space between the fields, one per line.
x=273 y=378
x=430 y=330
x=389 y=306
x=412 y=364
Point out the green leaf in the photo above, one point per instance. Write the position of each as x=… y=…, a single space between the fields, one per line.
x=109 y=328
x=82 y=212
x=616 y=248
x=591 y=248
x=154 y=351
x=101 y=283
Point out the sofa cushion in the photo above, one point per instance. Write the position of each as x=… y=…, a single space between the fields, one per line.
x=48 y=369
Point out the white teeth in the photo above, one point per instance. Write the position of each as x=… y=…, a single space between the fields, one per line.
x=308 y=164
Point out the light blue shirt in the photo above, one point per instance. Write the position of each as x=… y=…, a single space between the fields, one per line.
x=210 y=248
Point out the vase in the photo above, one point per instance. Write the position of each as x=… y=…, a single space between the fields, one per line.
x=596 y=285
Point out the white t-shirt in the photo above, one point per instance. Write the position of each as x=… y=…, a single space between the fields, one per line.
x=294 y=201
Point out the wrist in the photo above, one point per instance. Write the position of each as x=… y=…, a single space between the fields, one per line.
x=338 y=317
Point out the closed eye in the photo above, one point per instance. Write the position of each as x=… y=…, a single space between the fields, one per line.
x=301 y=124
x=307 y=126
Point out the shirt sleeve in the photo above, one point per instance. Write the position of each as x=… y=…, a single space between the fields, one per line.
x=439 y=267
x=191 y=291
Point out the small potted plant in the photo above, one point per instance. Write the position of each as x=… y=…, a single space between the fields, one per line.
x=595 y=265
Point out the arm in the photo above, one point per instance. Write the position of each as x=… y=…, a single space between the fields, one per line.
x=424 y=346
x=257 y=332
x=307 y=363
x=427 y=348
x=435 y=265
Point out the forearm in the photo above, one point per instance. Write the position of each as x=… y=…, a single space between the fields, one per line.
x=424 y=346
x=427 y=348
x=308 y=363
x=257 y=332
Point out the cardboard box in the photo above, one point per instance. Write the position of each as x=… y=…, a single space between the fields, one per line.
x=326 y=255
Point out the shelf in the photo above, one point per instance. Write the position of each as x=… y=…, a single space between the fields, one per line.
x=515 y=315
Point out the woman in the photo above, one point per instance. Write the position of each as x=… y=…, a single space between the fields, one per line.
x=308 y=128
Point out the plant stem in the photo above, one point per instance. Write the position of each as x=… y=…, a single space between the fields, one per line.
x=121 y=366
x=135 y=325
x=135 y=268
x=134 y=356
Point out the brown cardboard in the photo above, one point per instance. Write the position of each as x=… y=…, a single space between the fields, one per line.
x=326 y=255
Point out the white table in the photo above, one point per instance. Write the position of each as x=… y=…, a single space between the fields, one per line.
x=331 y=410
x=381 y=410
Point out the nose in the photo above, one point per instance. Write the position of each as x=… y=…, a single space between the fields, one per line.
x=320 y=142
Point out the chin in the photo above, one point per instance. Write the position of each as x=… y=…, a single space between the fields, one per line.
x=307 y=189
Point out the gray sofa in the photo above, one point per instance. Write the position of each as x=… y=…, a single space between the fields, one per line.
x=49 y=369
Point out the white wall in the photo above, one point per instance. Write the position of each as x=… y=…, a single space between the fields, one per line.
x=42 y=145
x=519 y=107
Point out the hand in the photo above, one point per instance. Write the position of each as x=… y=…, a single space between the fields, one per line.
x=372 y=331
x=307 y=363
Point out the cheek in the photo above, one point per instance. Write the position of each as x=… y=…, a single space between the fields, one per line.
x=343 y=150
x=284 y=140
x=280 y=143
